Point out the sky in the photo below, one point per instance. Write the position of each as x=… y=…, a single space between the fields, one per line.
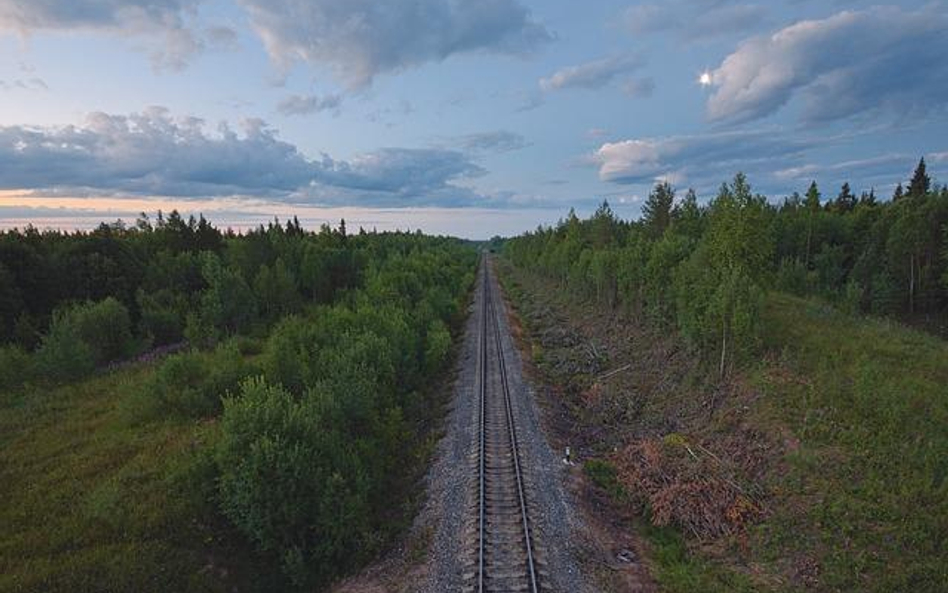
x=463 y=117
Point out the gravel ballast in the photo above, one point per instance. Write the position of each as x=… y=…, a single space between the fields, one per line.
x=452 y=502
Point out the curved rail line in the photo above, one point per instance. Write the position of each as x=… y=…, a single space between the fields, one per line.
x=506 y=559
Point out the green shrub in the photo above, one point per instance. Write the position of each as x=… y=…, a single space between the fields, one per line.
x=792 y=277
x=288 y=354
x=63 y=355
x=292 y=482
x=199 y=331
x=105 y=327
x=249 y=346
x=83 y=336
x=852 y=297
x=162 y=315
x=16 y=367
x=190 y=384
x=438 y=346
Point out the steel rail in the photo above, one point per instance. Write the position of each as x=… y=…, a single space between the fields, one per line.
x=489 y=310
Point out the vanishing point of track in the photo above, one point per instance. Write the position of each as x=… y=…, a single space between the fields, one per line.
x=506 y=556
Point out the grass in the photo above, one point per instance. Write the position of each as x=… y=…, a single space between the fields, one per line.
x=856 y=495
x=92 y=502
x=864 y=494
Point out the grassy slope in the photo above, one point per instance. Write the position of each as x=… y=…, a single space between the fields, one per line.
x=864 y=494
x=858 y=496
x=91 y=502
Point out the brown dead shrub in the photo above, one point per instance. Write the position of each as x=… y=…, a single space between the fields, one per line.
x=686 y=486
x=592 y=397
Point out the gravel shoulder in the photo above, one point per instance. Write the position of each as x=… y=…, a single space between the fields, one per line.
x=432 y=557
x=559 y=530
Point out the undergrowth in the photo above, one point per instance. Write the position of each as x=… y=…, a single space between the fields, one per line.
x=851 y=416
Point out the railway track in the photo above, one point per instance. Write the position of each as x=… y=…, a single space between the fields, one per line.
x=506 y=555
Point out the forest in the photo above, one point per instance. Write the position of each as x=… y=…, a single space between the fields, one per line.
x=311 y=355
x=705 y=268
x=760 y=384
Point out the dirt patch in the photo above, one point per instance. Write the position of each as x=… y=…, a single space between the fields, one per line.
x=399 y=572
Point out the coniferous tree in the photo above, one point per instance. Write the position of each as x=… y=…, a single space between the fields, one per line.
x=898 y=193
x=604 y=221
x=812 y=201
x=812 y=205
x=687 y=216
x=921 y=182
x=656 y=212
x=845 y=201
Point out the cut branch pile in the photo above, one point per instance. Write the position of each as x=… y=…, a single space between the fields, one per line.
x=685 y=485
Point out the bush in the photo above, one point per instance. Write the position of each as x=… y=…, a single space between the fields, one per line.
x=105 y=327
x=16 y=367
x=63 y=355
x=292 y=482
x=288 y=355
x=792 y=277
x=162 y=315
x=190 y=384
x=852 y=297
x=438 y=346
x=199 y=331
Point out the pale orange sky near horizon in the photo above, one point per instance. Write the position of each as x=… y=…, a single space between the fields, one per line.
x=75 y=213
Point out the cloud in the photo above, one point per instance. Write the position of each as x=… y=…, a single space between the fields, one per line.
x=639 y=87
x=878 y=171
x=777 y=160
x=693 y=19
x=592 y=75
x=596 y=133
x=24 y=84
x=649 y=18
x=360 y=39
x=166 y=23
x=872 y=166
x=307 y=104
x=529 y=100
x=154 y=154
x=854 y=62
x=492 y=142
x=221 y=37
x=705 y=158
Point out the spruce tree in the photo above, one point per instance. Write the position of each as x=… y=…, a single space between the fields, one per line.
x=921 y=182
x=812 y=205
x=898 y=194
x=656 y=212
x=812 y=201
x=845 y=201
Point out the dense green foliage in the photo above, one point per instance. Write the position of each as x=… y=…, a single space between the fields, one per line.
x=313 y=353
x=311 y=454
x=85 y=335
x=119 y=288
x=190 y=384
x=705 y=269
